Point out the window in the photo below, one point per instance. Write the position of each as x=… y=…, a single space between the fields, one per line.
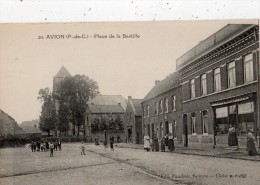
x=245 y=117
x=166 y=105
x=222 y=120
x=193 y=123
x=174 y=130
x=148 y=111
x=231 y=74
x=248 y=68
x=203 y=84
x=161 y=131
x=156 y=108
x=205 y=126
x=161 y=106
x=173 y=103
x=192 y=88
x=144 y=112
x=217 y=81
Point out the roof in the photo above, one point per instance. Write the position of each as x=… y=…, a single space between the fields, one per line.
x=210 y=43
x=106 y=109
x=62 y=72
x=109 y=100
x=163 y=86
x=8 y=125
x=31 y=126
x=136 y=104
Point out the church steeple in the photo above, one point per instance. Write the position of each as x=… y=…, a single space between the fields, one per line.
x=63 y=72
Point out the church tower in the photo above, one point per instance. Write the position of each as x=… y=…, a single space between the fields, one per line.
x=57 y=79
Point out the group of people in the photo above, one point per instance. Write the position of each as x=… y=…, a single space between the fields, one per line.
x=153 y=143
x=111 y=142
x=250 y=145
x=42 y=146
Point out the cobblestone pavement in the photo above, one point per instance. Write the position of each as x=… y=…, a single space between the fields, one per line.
x=122 y=166
x=187 y=169
x=20 y=166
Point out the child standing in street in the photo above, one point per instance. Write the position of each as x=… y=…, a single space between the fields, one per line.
x=51 y=149
x=82 y=148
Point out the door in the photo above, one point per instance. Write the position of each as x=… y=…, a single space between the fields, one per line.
x=185 y=129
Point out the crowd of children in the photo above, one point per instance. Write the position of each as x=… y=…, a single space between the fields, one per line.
x=42 y=146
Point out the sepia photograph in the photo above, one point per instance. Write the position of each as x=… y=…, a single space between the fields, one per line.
x=132 y=102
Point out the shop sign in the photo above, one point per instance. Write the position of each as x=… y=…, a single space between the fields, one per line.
x=230 y=101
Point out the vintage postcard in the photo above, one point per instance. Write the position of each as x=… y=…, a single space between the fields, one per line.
x=162 y=102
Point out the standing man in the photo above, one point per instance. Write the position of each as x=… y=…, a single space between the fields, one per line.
x=59 y=144
x=82 y=148
x=118 y=139
x=112 y=143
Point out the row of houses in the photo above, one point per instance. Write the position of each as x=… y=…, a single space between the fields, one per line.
x=216 y=86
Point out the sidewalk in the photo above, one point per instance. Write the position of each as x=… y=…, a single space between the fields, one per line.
x=205 y=150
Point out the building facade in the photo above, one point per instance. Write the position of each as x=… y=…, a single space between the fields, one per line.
x=162 y=108
x=219 y=86
x=133 y=120
x=104 y=108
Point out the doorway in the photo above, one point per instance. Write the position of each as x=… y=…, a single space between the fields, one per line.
x=185 y=129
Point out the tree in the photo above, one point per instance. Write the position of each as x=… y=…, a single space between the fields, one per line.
x=116 y=124
x=48 y=114
x=63 y=118
x=76 y=92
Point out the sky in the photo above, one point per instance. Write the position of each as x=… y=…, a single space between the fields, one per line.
x=121 y=66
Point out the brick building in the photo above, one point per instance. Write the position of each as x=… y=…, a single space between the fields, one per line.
x=162 y=108
x=133 y=120
x=219 y=85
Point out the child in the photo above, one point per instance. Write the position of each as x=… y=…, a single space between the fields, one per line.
x=51 y=149
x=82 y=148
x=163 y=144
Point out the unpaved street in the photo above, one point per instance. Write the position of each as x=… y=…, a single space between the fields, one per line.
x=122 y=166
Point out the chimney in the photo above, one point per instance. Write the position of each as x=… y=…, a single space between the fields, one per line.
x=119 y=104
x=129 y=97
x=156 y=82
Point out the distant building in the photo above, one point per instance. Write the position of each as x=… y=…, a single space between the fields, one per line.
x=133 y=120
x=104 y=107
x=162 y=108
x=31 y=128
x=8 y=125
x=219 y=85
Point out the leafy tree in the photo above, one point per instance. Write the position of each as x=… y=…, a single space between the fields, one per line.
x=48 y=114
x=107 y=123
x=76 y=92
x=63 y=118
x=116 y=124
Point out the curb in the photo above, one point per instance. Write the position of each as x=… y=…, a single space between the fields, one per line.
x=204 y=155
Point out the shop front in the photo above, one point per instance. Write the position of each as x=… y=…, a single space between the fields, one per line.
x=233 y=117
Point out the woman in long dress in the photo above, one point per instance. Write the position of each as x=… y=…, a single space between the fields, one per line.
x=232 y=136
x=250 y=145
x=171 y=142
x=147 y=142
